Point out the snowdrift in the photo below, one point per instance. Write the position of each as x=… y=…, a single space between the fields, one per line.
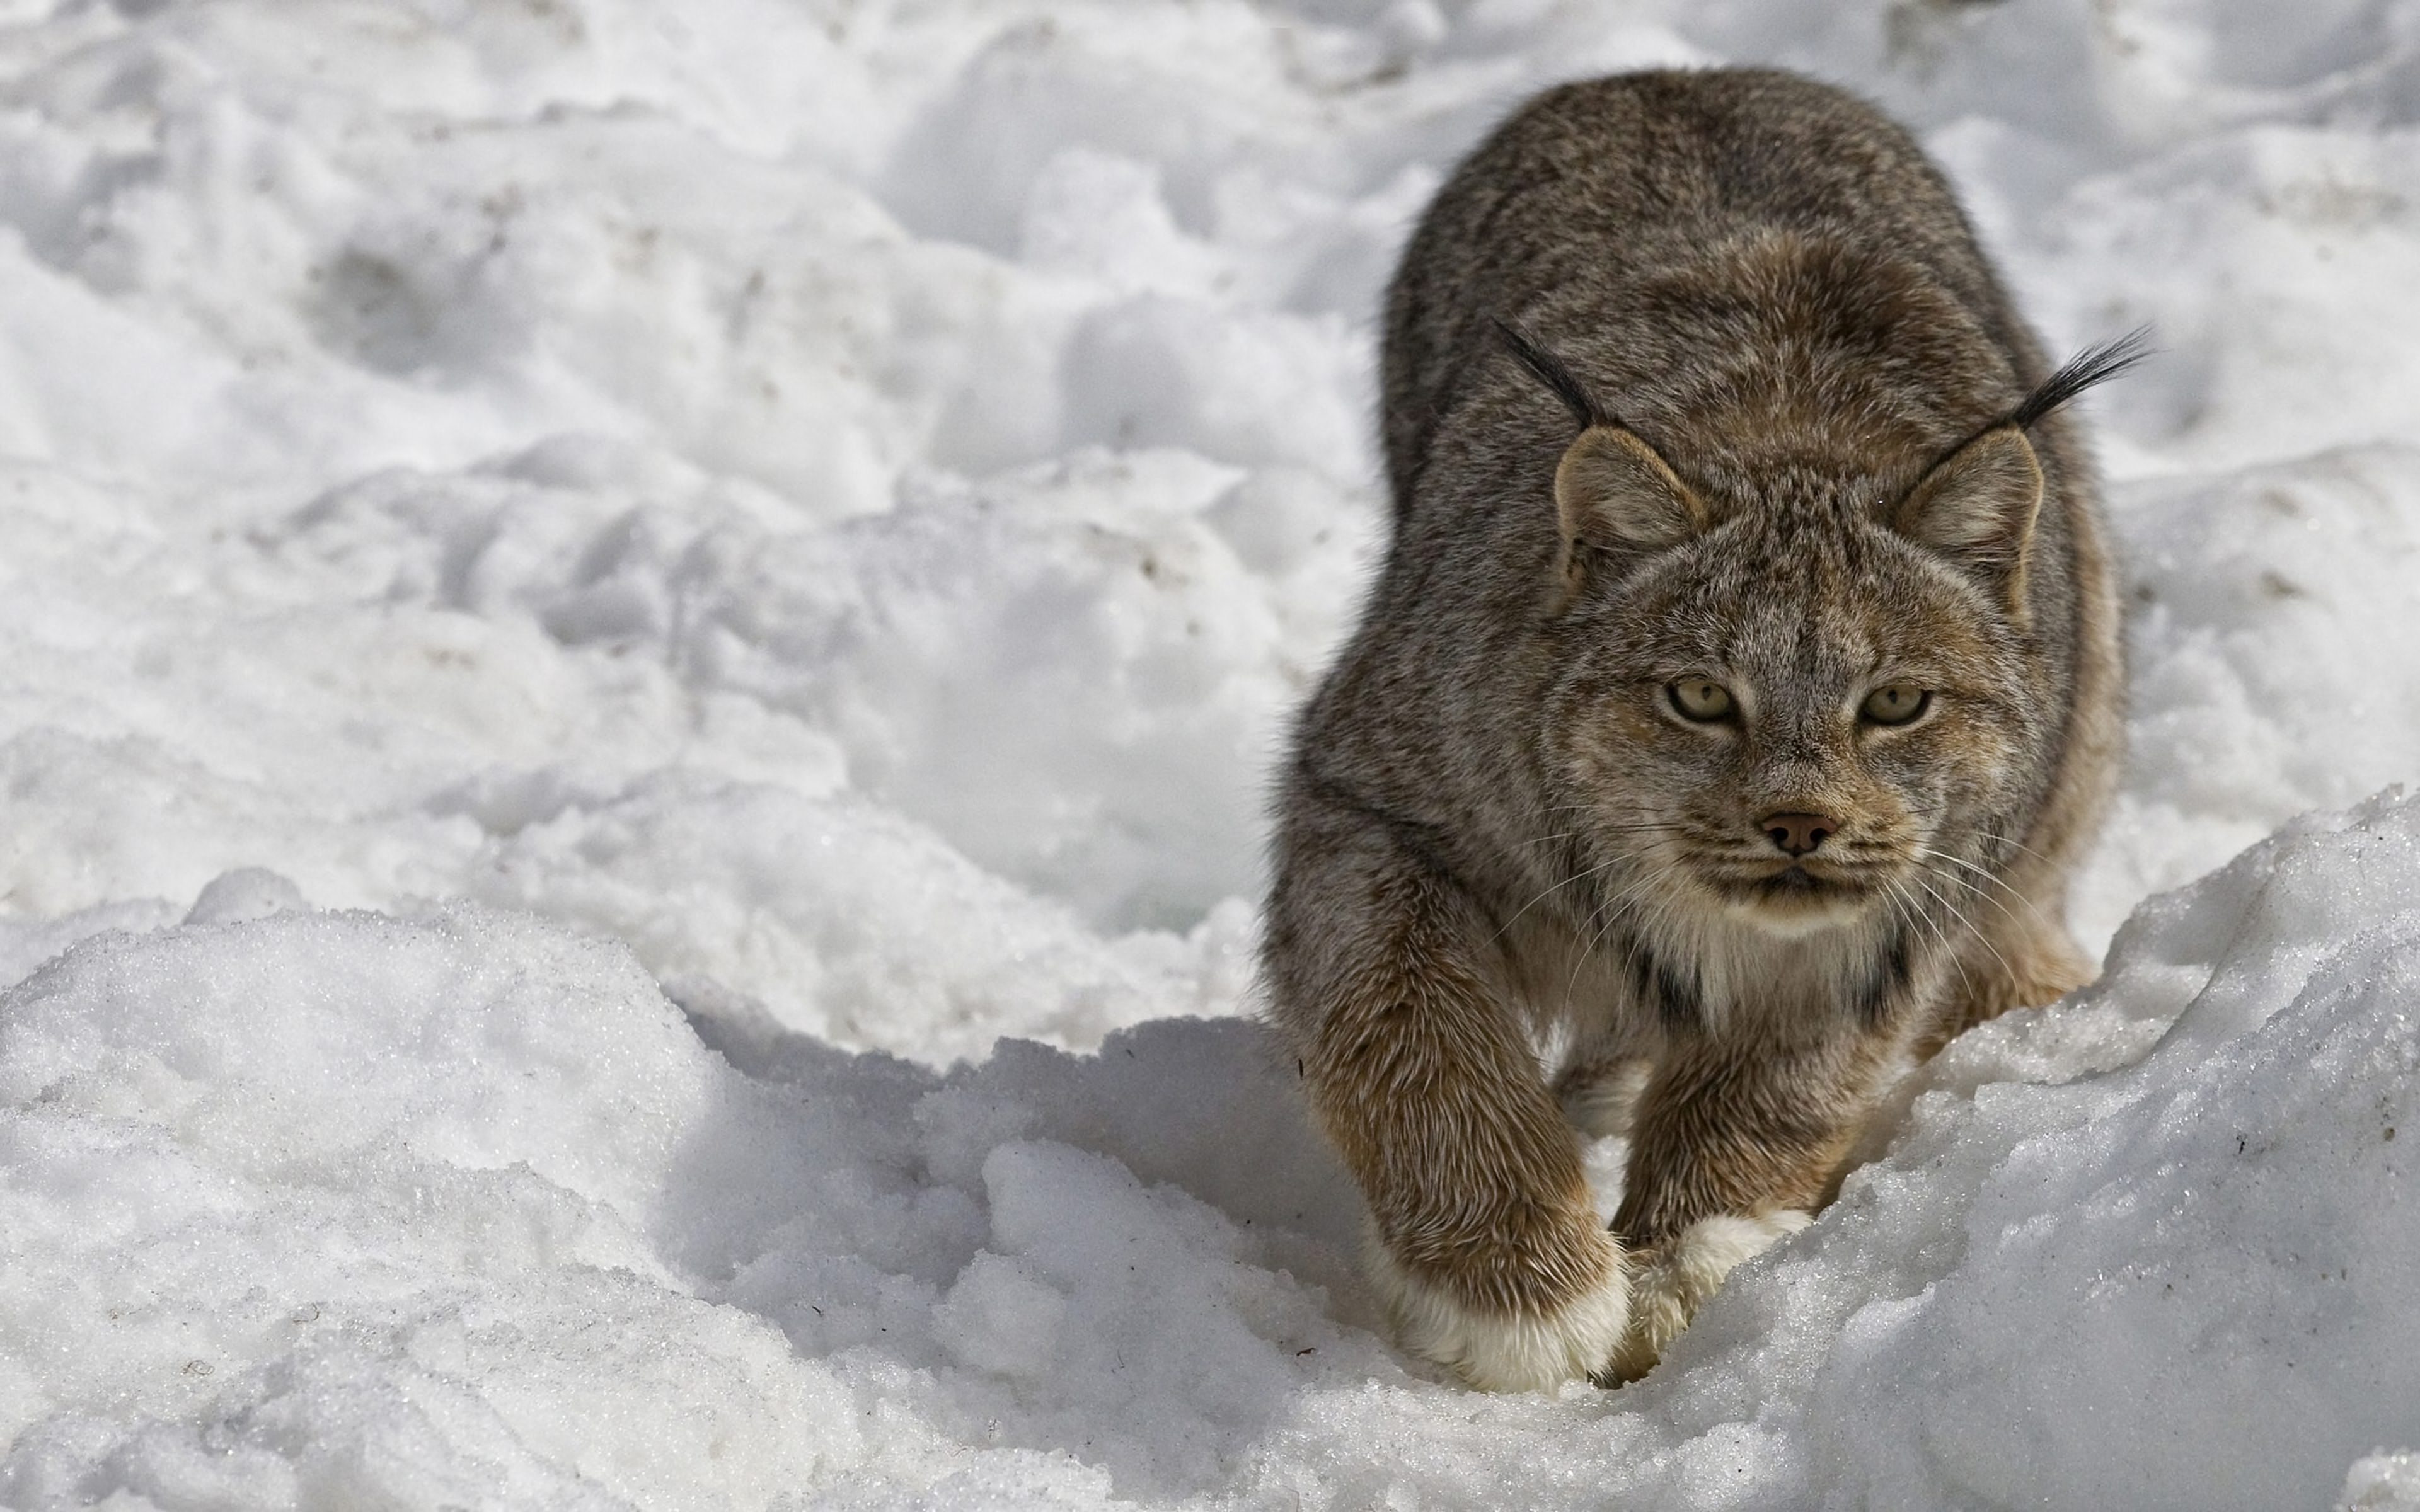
x=323 y=1209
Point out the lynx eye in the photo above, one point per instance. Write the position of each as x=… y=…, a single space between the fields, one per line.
x=1895 y=702
x=1701 y=698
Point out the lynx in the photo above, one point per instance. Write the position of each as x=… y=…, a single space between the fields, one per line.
x=1741 y=685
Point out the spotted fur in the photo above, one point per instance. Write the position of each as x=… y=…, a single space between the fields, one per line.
x=1764 y=418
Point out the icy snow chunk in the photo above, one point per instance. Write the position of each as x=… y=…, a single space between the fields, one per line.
x=224 y=1036
x=839 y=917
x=244 y=894
x=1255 y=390
x=2383 y=1482
x=83 y=382
x=1102 y=216
x=1107 y=77
x=999 y=1318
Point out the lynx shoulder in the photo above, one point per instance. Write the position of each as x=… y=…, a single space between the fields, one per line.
x=1741 y=685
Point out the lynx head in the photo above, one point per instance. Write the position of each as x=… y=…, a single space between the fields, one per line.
x=1807 y=711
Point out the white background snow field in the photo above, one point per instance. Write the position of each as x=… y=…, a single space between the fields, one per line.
x=639 y=649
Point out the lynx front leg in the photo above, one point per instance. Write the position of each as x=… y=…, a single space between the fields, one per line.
x=1734 y=1148
x=1483 y=1241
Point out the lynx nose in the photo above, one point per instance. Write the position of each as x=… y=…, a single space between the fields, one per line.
x=1797 y=833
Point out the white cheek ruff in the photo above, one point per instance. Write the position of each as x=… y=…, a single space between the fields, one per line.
x=1494 y=1352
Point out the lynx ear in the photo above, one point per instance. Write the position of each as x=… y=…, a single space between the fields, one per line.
x=1978 y=508
x=1613 y=493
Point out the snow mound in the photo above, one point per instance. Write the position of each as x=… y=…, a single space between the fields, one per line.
x=319 y=1206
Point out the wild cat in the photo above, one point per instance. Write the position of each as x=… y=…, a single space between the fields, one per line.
x=1742 y=683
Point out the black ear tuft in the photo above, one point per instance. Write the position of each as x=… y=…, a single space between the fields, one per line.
x=2091 y=366
x=1549 y=370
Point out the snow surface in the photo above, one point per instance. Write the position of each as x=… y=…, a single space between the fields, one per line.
x=597 y=598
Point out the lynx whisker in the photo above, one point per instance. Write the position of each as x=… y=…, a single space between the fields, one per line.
x=1930 y=854
x=1544 y=894
x=1634 y=895
x=1971 y=931
x=1938 y=932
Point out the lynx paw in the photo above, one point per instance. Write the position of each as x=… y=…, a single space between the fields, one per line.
x=1520 y=1351
x=1678 y=1275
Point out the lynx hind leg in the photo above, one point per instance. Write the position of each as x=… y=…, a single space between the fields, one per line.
x=1600 y=1094
x=1485 y=1245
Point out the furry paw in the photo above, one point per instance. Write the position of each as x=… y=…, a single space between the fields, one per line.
x=1531 y=1350
x=1674 y=1279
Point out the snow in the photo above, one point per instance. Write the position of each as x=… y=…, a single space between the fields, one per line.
x=638 y=648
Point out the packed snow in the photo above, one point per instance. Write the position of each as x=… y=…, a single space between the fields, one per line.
x=639 y=651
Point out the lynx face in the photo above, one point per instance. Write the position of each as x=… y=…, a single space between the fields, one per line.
x=1793 y=721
